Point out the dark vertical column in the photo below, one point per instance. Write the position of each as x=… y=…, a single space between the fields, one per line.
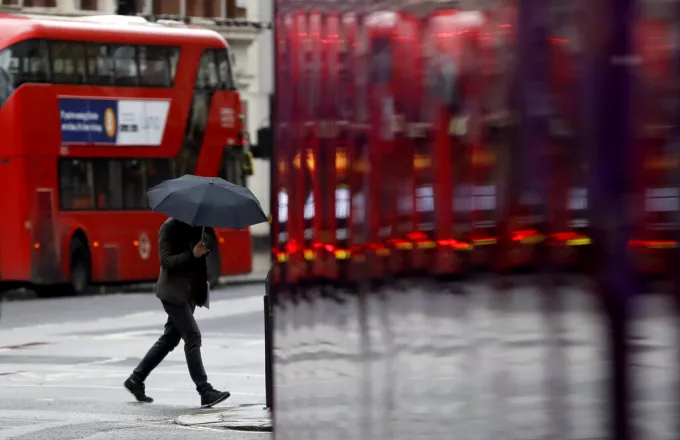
x=268 y=348
x=274 y=183
x=611 y=135
x=676 y=252
x=537 y=109
x=126 y=7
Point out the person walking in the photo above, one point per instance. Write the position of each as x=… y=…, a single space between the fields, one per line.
x=182 y=285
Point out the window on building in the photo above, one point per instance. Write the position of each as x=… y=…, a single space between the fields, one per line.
x=69 y=62
x=100 y=69
x=154 y=66
x=233 y=11
x=40 y=3
x=224 y=70
x=90 y=5
x=125 y=65
x=76 y=185
x=204 y=8
x=170 y=7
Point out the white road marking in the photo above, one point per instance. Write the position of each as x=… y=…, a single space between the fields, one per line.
x=104 y=362
x=199 y=428
x=257 y=342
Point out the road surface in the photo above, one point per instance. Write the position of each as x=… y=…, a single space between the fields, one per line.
x=62 y=363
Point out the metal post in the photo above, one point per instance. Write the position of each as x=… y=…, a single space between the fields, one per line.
x=610 y=62
x=268 y=352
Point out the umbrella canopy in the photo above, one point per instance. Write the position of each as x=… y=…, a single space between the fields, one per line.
x=207 y=201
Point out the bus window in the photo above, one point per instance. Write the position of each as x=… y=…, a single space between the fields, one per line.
x=134 y=184
x=68 y=62
x=231 y=166
x=154 y=66
x=107 y=184
x=26 y=62
x=173 y=56
x=381 y=62
x=157 y=171
x=125 y=66
x=207 y=72
x=6 y=82
x=225 y=72
x=99 y=65
x=76 y=185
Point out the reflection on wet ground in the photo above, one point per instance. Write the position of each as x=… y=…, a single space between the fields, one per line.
x=422 y=359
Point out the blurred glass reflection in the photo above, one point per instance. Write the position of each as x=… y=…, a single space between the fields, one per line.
x=477 y=230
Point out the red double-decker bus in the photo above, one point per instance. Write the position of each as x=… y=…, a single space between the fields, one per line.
x=94 y=112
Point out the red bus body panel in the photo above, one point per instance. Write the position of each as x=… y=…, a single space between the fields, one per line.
x=31 y=145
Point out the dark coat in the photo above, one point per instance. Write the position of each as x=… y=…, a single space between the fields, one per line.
x=183 y=277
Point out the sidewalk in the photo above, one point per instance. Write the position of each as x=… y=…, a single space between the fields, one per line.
x=242 y=418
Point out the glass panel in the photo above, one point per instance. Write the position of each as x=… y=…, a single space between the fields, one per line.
x=100 y=65
x=224 y=71
x=24 y=62
x=231 y=167
x=68 y=63
x=135 y=184
x=381 y=61
x=154 y=66
x=108 y=184
x=125 y=65
x=158 y=170
x=207 y=72
x=6 y=78
x=173 y=55
x=76 y=184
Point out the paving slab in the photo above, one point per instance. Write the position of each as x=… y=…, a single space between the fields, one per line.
x=242 y=417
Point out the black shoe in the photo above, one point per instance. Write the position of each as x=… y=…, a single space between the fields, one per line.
x=136 y=388
x=213 y=397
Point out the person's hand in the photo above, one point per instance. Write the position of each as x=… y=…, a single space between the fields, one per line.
x=200 y=249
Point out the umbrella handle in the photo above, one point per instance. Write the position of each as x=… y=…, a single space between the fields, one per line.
x=203 y=234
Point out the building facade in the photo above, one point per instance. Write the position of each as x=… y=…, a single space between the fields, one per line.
x=245 y=26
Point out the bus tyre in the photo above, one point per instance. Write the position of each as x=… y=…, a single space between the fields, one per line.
x=213 y=262
x=79 y=273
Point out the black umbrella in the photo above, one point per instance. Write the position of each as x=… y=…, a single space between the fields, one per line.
x=207 y=201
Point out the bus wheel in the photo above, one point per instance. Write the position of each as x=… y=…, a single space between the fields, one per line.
x=79 y=275
x=213 y=261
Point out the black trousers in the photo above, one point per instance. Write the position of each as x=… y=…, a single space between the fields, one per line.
x=181 y=325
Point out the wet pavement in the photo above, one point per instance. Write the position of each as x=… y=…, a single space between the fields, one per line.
x=62 y=363
x=426 y=360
